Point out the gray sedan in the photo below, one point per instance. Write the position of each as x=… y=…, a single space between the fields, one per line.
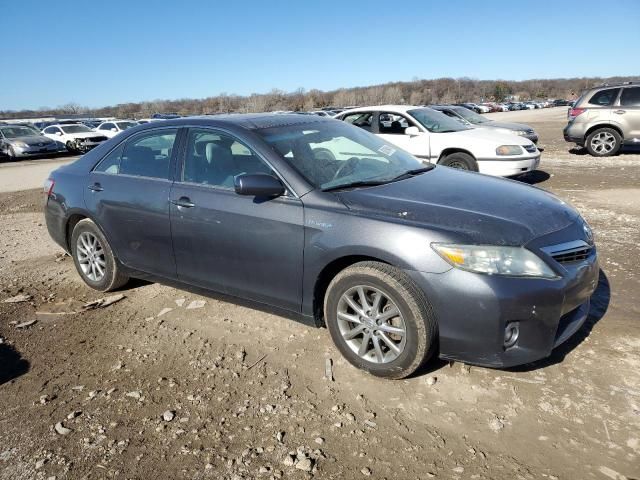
x=473 y=119
x=23 y=141
x=401 y=261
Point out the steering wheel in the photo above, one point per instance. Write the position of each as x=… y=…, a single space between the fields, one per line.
x=351 y=163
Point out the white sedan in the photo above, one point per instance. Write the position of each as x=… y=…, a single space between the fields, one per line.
x=76 y=137
x=111 y=129
x=436 y=138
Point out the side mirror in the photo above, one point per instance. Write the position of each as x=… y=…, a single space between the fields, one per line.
x=412 y=131
x=59 y=134
x=258 y=185
x=114 y=129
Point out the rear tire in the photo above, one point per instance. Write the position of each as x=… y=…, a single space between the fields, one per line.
x=603 y=142
x=94 y=258
x=398 y=342
x=461 y=161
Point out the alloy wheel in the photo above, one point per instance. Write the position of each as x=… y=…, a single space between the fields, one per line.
x=91 y=256
x=603 y=142
x=371 y=324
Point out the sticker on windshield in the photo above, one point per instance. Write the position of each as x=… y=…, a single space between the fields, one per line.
x=387 y=150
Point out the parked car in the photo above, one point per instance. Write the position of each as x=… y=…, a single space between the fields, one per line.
x=472 y=119
x=605 y=118
x=22 y=141
x=528 y=106
x=399 y=260
x=77 y=138
x=111 y=129
x=436 y=138
x=561 y=102
x=323 y=113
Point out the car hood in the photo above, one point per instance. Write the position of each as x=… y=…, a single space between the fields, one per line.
x=468 y=207
x=490 y=136
x=84 y=134
x=507 y=125
x=31 y=140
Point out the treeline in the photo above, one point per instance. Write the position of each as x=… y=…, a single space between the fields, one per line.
x=416 y=92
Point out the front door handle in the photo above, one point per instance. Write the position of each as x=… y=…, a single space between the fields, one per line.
x=184 y=202
x=95 y=187
x=620 y=112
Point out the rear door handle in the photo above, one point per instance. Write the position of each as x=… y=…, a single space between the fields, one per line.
x=620 y=112
x=96 y=187
x=184 y=202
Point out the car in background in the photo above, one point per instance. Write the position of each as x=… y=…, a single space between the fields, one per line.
x=23 y=141
x=605 y=118
x=93 y=124
x=473 y=119
x=77 y=138
x=528 y=106
x=111 y=129
x=560 y=102
x=401 y=261
x=323 y=113
x=142 y=121
x=165 y=116
x=436 y=138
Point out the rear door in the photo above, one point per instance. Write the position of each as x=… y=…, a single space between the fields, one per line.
x=245 y=246
x=128 y=195
x=628 y=114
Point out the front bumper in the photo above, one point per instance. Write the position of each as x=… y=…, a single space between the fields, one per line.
x=473 y=311
x=508 y=168
x=32 y=151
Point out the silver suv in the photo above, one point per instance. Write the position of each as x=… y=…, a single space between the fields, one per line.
x=605 y=118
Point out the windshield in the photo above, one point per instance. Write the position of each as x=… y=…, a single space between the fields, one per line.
x=15 y=132
x=75 y=129
x=331 y=154
x=436 y=122
x=470 y=116
x=125 y=125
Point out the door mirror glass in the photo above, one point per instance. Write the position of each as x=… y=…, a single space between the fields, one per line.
x=412 y=131
x=114 y=129
x=59 y=133
x=258 y=185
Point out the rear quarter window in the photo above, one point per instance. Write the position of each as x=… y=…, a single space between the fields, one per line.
x=630 y=97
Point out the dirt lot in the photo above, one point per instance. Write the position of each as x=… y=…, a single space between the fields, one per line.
x=150 y=388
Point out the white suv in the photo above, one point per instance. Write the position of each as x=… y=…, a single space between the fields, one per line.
x=437 y=138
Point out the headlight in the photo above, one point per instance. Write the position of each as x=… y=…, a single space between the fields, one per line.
x=494 y=260
x=509 y=150
x=522 y=133
x=20 y=144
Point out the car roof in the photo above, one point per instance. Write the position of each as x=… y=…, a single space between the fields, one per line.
x=386 y=108
x=249 y=121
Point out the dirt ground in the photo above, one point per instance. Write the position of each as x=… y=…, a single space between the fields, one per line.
x=151 y=387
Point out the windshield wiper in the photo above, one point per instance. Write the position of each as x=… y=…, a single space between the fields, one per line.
x=373 y=183
x=361 y=183
x=412 y=173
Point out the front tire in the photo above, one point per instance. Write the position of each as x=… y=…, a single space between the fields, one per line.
x=380 y=320
x=603 y=142
x=94 y=258
x=461 y=161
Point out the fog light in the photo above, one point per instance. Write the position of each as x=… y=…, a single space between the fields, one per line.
x=511 y=334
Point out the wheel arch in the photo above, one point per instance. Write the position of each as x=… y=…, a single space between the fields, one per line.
x=448 y=151
x=327 y=274
x=592 y=129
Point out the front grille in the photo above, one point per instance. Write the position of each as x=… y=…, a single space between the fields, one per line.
x=95 y=139
x=530 y=148
x=569 y=252
x=575 y=256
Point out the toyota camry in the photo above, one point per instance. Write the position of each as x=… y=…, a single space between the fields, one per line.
x=400 y=260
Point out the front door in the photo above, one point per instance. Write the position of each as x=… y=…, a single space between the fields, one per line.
x=391 y=128
x=128 y=193
x=244 y=246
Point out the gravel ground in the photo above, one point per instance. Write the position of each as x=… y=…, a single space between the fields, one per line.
x=167 y=383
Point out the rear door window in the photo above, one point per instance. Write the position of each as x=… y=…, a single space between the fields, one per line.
x=604 y=98
x=630 y=97
x=361 y=119
x=149 y=155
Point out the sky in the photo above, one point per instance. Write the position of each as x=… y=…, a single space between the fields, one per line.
x=98 y=53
